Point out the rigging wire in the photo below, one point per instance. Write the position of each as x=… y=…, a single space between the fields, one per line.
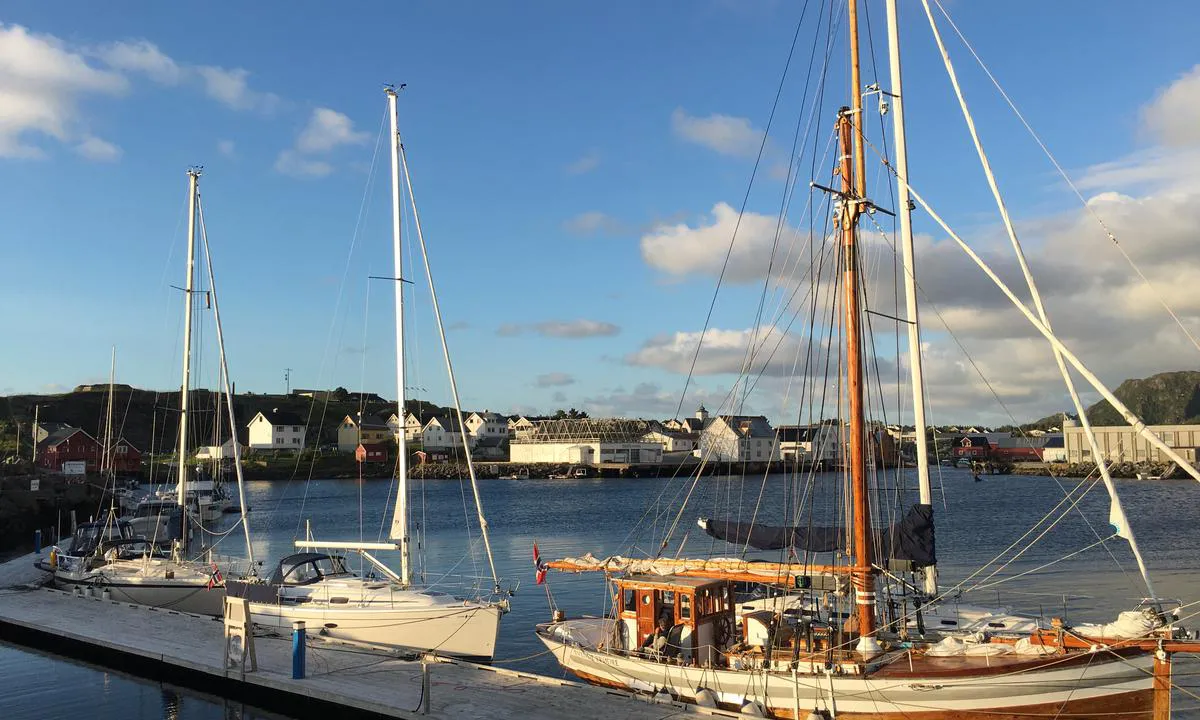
x=1067 y=179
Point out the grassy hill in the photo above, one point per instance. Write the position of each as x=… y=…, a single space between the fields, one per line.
x=150 y=419
x=1170 y=398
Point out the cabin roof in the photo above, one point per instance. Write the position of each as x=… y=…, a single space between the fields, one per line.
x=669 y=581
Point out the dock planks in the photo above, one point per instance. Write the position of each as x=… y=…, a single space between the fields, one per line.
x=189 y=649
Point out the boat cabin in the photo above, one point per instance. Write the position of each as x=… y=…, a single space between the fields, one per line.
x=307 y=568
x=92 y=535
x=699 y=614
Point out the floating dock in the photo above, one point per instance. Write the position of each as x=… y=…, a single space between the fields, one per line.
x=189 y=651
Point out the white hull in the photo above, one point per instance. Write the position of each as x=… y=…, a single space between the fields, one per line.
x=145 y=583
x=461 y=629
x=782 y=694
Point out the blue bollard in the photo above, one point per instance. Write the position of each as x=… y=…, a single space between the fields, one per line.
x=37 y=541
x=298 y=650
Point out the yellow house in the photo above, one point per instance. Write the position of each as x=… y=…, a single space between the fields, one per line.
x=368 y=430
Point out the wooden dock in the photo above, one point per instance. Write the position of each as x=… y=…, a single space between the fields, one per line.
x=188 y=650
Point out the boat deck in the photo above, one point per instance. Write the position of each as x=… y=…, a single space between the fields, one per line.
x=188 y=650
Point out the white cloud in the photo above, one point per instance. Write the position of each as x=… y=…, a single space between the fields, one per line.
x=41 y=82
x=226 y=148
x=293 y=163
x=231 y=87
x=725 y=134
x=1172 y=116
x=554 y=379
x=584 y=164
x=649 y=400
x=681 y=249
x=93 y=148
x=326 y=130
x=593 y=222
x=141 y=56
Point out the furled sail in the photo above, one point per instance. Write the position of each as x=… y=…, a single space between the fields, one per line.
x=910 y=539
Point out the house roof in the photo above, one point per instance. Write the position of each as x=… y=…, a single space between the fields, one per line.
x=487 y=416
x=749 y=425
x=368 y=422
x=275 y=416
x=796 y=433
x=443 y=421
x=57 y=437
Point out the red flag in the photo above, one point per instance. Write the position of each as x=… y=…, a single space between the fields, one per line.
x=215 y=578
x=539 y=566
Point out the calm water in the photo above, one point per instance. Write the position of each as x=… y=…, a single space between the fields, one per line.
x=974 y=522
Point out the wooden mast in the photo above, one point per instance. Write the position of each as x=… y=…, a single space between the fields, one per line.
x=852 y=169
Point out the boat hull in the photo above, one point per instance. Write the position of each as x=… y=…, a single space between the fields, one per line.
x=1097 y=685
x=467 y=630
x=191 y=595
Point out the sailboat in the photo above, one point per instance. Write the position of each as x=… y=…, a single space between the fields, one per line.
x=384 y=608
x=122 y=562
x=870 y=633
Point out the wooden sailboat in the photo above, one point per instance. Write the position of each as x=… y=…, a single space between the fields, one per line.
x=123 y=561
x=386 y=608
x=822 y=644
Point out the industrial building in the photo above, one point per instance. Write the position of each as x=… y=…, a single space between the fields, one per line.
x=587 y=441
x=1120 y=443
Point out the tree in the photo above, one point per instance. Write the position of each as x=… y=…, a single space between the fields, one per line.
x=340 y=394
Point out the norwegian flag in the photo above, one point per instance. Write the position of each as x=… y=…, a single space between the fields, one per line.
x=215 y=578
x=539 y=566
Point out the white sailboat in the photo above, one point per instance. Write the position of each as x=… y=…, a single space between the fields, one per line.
x=828 y=644
x=123 y=563
x=387 y=609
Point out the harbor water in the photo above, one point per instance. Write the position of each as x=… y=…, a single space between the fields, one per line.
x=975 y=521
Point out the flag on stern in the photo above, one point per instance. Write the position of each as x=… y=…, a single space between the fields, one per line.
x=539 y=566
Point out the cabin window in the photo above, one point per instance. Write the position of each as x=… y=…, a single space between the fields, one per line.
x=646 y=598
x=629 y=602
x=685 y=607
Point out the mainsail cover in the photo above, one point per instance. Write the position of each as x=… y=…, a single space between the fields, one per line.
x=910 y=539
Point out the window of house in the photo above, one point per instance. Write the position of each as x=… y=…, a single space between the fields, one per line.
x=295 y=428
x=295 y=441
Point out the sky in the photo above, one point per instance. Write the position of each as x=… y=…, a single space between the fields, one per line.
x=579 y=171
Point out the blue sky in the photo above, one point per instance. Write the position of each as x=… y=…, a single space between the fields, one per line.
x=568 y=162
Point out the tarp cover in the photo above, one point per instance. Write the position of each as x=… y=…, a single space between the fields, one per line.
x=910 y=539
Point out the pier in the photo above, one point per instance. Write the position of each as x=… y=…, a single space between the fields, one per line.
x=189 y=651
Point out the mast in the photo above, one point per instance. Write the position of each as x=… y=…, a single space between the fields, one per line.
x=904 y=212
x=33 y=457
x=108 y=440
x=861 y=575
x=400 y=516
x=181 y=479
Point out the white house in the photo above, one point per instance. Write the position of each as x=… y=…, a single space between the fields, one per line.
x=738 y=438
x=218 y=452
x=672 y=440
x=486 y=426
x=277 y=430
x=520 y=427
x=441 y=433
x=810 y=443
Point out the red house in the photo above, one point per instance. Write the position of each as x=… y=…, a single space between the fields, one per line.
x=971 y=446
x=373 y=453
x=68 y=444
x=125 y=457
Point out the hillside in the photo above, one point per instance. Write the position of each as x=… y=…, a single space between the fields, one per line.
x=150 y=419
x=1170 y=398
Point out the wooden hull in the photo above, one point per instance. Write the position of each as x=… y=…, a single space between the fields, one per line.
x=1099 y=685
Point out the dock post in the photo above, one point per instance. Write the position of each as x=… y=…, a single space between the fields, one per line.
x=298 y=650
x=425 y=685
x=37 y=541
